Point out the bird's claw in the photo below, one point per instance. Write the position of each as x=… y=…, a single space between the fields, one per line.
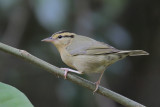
x=65 y=72
x=97 y=85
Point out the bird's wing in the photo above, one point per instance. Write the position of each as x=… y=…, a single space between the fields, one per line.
x=82 y=45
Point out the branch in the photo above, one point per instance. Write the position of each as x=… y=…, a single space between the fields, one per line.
x=74 y=78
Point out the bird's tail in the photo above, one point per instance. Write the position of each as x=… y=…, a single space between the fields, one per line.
x=134 y=52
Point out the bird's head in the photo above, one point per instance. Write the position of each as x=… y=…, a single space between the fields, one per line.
x=60 y=39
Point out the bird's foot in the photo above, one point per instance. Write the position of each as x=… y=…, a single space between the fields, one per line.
x=65 y=72
x=97 y=85
x=69 y=70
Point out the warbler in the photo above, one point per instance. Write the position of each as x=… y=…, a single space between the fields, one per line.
x=87 y=55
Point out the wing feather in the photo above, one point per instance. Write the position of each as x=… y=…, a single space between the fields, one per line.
x=82 y=45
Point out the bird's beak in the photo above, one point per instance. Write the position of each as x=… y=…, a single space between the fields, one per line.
x=49 y=39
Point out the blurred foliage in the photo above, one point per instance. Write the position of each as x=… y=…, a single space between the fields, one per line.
x=12 y=97
x=125 y=24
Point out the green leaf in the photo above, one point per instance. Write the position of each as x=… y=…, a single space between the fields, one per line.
x=12 y=97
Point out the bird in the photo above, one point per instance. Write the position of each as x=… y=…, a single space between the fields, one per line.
x=87 y=55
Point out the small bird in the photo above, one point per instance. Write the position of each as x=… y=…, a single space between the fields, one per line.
x=87 y=55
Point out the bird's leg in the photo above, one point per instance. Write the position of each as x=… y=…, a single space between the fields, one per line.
x=98 y=82
x=71 y=70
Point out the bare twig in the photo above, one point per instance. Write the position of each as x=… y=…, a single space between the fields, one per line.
x=76 y=79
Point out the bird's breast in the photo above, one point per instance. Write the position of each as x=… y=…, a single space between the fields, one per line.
x=66 y=57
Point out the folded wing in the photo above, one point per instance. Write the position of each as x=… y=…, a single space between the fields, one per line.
x=82 y=45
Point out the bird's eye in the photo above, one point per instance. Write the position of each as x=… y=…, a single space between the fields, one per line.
x=60 y=36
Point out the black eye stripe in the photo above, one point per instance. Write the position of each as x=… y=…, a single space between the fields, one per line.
x=65 y=36
x=71 y=36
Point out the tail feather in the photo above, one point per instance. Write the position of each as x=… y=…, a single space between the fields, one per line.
x=134 y=52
